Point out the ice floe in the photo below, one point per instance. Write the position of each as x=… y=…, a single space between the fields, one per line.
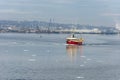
x=82 y=65
x=26 y=50
x=80 y=77
x=33 y=55
x=31 y=59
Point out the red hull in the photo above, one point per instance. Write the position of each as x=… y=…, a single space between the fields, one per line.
x=74 y=42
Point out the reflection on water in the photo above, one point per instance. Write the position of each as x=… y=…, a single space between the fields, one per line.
x=73 y=51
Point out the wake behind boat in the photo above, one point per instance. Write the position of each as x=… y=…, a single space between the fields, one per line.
x=74 y=40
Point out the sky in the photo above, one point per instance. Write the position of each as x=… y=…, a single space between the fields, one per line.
x=91 y=12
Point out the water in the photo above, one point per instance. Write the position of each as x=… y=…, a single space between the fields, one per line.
x=47 y=57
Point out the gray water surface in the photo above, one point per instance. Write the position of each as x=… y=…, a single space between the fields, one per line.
x=47 y=57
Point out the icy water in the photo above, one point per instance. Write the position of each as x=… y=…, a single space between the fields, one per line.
x=47 y=57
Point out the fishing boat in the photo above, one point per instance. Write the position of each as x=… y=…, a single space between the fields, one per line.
x=74 y=40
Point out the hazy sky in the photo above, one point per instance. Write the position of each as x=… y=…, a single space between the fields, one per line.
x=93 y=12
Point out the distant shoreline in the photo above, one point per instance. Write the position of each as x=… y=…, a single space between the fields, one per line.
x=48 y=27
x=57 y=33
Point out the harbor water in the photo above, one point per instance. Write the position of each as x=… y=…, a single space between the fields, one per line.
x=47 y=57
